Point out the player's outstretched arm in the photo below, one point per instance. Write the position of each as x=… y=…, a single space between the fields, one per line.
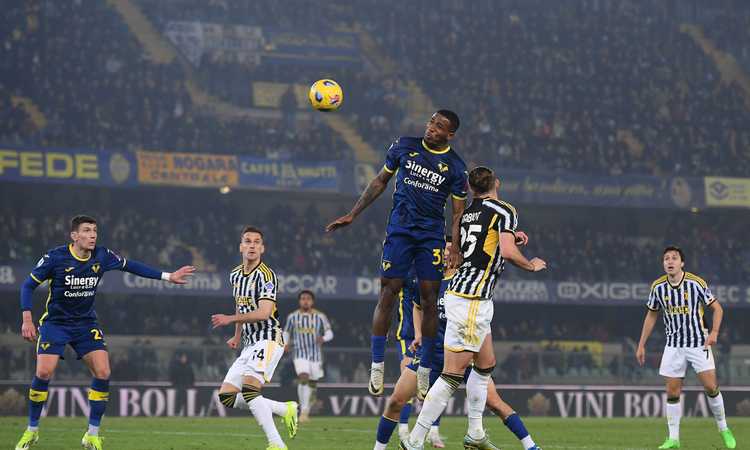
x=180 y=276
x=264 y=311
x=648 y=326
x=28 y=329
x=372 y=191
x=510 y=252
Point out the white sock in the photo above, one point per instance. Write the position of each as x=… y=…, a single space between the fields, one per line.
x=434 y=405
x=476 y=398
x=379 y=446
x=262 y=412
x=30 y=428
x=717 y=407
x=674 y=414
x=308 y=398
x=434 y=430
x=527 y=442
x=278 y=408
x=93 y=430
x=302 y=395
x=403 y=428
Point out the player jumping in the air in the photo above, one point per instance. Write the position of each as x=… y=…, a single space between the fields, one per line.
x=305 y=331
x=74 y=272
x=682 y=296
x=258 y=330
x=407 y=384
x=428 y=172
x=488 y=238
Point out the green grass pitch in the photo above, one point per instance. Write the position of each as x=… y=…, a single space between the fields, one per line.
x=359 y=433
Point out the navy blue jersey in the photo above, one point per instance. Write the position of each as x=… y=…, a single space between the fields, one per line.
x=408 y=297
x=424 y=181
x=73 y=282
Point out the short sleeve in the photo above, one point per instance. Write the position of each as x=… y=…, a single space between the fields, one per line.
x=653 y=301
x=326 y=323
x=508 y=219
x=708 y=296
x=43 y=269
x=392 y=158
x=459 y=185
x=112 y=261
x=267 y=289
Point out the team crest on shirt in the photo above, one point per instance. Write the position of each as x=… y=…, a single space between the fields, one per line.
x=386 y=265
x=443 y=167
x=96 y=268
x=68 y=269
x=44 y=345
x=685 y=295
x=413 y=154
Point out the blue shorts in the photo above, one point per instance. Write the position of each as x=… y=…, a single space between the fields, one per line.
x=403 y=349
x=53 y=337
x=402 y=250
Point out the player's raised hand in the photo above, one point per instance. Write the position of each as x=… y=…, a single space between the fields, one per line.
x=341 y=222
x=28 y=331
x=181 y=275
x=538 y=264
x=220 y=320
x=233 y=342
x=640 y=355
x=521 y=238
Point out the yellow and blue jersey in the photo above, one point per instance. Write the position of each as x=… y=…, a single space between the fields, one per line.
x=425 y=178
x=73 y=282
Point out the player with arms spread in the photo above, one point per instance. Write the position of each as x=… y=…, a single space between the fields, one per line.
x=258 y=331
x=488 y=238
x=74 y=272
x=428 y=171
x=682 y=296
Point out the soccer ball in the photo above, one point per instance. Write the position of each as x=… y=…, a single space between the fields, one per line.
x=326 y=95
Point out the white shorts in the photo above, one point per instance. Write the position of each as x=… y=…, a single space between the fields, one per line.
x=468 y=323
x=674 y=361
x=258 y=361
x=313 y=368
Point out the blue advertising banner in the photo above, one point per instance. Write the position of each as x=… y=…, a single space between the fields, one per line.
x=335 y=287
x=610 y=191
x=258 y=173
x=76 y=166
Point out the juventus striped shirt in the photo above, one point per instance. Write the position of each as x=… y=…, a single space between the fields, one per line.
x=682 y=306
x=248 y=289
x=481 y=225
x=303 y=328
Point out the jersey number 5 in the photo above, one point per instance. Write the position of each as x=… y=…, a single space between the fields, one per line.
x=470 y=236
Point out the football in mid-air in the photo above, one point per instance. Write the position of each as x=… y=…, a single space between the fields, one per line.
x=326 y=95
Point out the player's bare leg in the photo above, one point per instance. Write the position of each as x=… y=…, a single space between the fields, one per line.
x=716 y=403
x=405 y=411
x=98 y=363
x=673 y=412
x=304 y=393
x=428 y=292
x=509 y=417
x=403 y=392
x=381 y=321
x=38 y=393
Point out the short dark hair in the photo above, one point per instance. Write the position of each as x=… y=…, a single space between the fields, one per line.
x=448 y=238
x=452 y=118
x=481 y=179
x=251 y=229
x=79 y=220
x=306 y=291
x=674 y=248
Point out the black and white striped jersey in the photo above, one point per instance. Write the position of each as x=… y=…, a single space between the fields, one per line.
x=248 y=289
x=303 y=329
x=481 y=225
x=682 y=307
